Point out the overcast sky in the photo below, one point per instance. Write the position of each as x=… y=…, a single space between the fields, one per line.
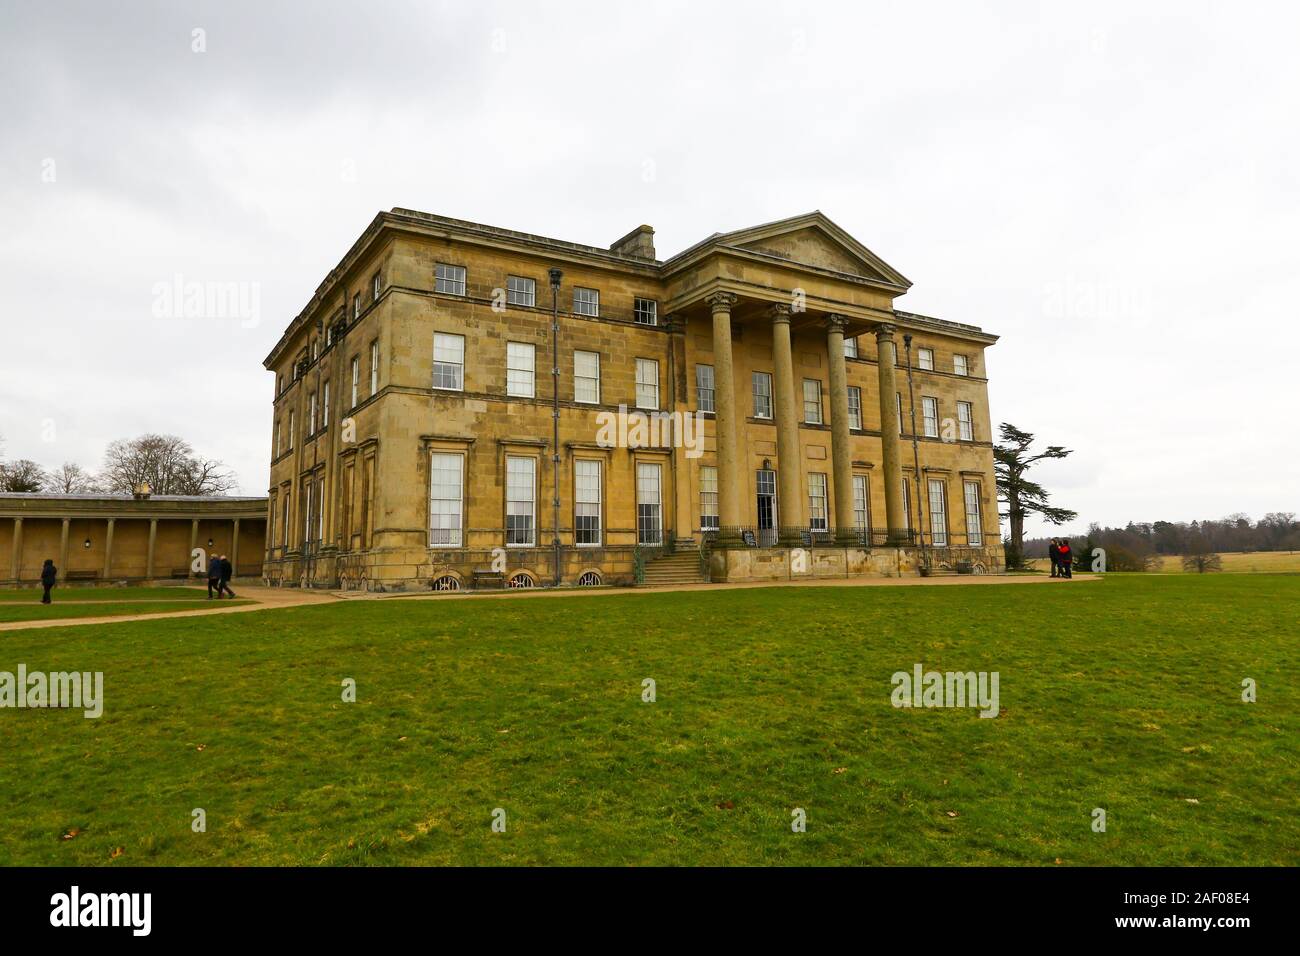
x=1113 y=192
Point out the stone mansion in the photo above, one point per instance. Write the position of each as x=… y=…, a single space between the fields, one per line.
x=442 y=410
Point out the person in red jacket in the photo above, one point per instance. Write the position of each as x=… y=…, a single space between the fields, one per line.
x=1066 y=558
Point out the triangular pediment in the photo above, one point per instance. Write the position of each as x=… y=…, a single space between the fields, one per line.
x=813 y=240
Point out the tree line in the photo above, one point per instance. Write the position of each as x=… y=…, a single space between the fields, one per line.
x=166 y=463
x=1139 y=545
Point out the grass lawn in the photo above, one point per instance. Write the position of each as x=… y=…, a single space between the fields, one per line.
x=1123 y=694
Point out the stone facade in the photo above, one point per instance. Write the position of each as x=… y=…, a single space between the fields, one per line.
x=399 y=478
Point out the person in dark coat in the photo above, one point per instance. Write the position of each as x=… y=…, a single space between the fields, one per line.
x=1054 y=556
x=49 y=575
x=214 y=575
x=1067 y=559
x=227 y=570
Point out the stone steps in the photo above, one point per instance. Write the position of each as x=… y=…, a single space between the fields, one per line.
x=683 y=567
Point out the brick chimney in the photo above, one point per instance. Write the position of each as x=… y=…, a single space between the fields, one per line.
x=638 y=244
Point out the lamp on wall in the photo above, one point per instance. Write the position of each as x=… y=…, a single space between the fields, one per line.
x=209 y=542
x=86 y=543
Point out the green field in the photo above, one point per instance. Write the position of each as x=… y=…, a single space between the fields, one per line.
x=1123 y=694
x=25 y=604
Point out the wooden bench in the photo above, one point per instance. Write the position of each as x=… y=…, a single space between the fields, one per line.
x=81 y=576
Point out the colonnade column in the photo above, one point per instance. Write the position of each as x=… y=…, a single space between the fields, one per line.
x=153 y=536
x=63 y=549
x=108 y=548
x=895 y=519
x=234 y=551
x=790 y=498
x=194 y=543
x=15 y=567
x=724 y=421
x=841 y=450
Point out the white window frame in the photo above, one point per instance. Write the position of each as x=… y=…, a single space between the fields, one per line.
x=930 y=416
x=521 y=290
x=705 y=385
x=515 y=505
x=862 y=505
x=285 y=514
x=649 y=514
x=521 y=369
x=813 y=402
x=449 y=361
x=311 y=414
x=960 y=365
x=586 y=301
x=855 y=407
x=374 y=367
x=851 y=347
x=356 y=380
x=756 y=379
x=640 y=312
x=645 y=398
x=374 y=287
x=449 y=279
x=277 y=442
x=446 y=513
x=356 y=306
x=965 y=421
x=818 y=515
x=925 y=359
x=709 y=517
x=587 y=501
x=586 y=386
x=975 y=517
x=938 y=498
x=325 y=405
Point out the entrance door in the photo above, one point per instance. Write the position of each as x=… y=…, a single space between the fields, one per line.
x=767 y=515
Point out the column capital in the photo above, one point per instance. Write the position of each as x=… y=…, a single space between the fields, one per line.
x=885 y=332
x=779 y=312
x=834 y=322
x=721 y=301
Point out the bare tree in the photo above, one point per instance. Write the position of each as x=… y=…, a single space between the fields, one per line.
x=1200 y=557
x=166 y=463
x=22 y=475
x=70 y=479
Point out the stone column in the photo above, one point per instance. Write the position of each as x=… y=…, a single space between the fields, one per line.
x=841 y=449
x=891 y=464
x=194 y=543
x=791 y=503
x=108 y=548
x=63 y=549
x=153 y=537
x=16 y=566
x=234 y=551
x=724 y=422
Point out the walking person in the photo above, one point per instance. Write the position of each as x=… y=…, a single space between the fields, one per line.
x=214 y=576
x=49 y=574
x=1067 y=559
x=227 y=570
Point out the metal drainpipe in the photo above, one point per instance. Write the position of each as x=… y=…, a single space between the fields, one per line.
x=916 y=454
x=555 y=275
